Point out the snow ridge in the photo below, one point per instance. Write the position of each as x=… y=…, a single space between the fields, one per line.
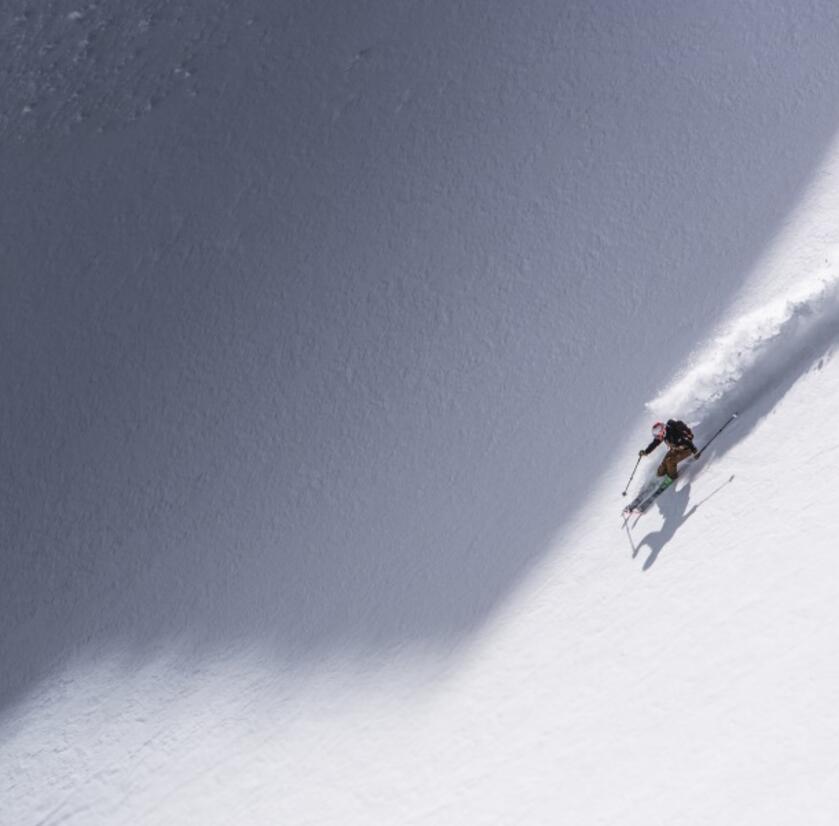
x=755 y=354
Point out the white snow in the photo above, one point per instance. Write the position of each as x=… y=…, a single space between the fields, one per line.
x=326 y=335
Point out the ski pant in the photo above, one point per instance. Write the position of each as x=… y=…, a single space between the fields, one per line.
x=673 y=457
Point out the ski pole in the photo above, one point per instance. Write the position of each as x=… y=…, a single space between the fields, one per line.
x=633 y=474
x=731 y=418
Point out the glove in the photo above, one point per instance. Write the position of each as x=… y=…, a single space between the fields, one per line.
x=697 y=455
x=641 y=453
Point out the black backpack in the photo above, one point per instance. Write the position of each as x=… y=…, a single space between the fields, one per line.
x=678 y=432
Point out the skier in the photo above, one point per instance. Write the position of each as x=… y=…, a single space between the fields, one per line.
x=679 y=439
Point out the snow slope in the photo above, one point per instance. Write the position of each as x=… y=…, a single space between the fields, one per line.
x=327 y=335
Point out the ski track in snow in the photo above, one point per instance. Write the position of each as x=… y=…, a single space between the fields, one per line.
x=765 y=350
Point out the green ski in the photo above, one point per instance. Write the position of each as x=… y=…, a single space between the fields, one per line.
x=648 y=495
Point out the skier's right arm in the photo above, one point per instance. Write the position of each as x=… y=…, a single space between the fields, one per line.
x=649 y=448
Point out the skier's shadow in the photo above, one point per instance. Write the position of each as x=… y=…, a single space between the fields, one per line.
x=675 y=512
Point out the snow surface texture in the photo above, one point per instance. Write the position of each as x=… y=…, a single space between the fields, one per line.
x=327 y=331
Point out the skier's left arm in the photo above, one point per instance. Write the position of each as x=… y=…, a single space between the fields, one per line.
x=688 y=442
